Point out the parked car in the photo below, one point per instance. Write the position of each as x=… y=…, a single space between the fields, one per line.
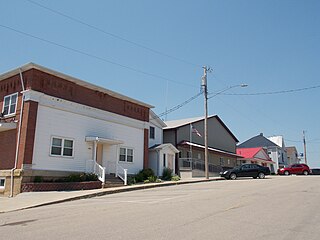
x=295 y=169
x=315 y=171
x=246 y=170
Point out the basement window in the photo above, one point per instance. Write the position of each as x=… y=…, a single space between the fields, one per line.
x=10 y=104
x=2 y=183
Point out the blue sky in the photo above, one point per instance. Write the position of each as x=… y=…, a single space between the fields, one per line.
x=270 y=45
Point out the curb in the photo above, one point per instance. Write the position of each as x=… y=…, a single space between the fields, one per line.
x=114 y=191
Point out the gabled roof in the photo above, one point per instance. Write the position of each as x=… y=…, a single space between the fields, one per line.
x=214 y=150
x=257 y=141
x=163 y=146
x=154 y=118
x=183 y=122
x=77 y=81
x=277 y=140
x=252 y=153
x=248 y=152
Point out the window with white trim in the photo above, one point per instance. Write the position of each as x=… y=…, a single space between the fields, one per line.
x=10 y=104
x=152 y=133
x=61 y=147
x=2 y=183
x=126 y=155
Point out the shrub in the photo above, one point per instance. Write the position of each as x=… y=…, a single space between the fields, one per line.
x=175 y=178
x=91 y=177
x=166 y=174
x=38 y=179
x=144 y=174
x=82 y=177
x=152 y=179
x=131 y=180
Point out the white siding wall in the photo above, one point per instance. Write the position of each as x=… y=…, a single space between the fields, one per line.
x=54 y=122
x=158 y=136
x=261 y=155
x=153 y=161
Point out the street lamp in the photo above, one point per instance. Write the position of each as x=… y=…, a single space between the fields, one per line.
x=205 y=93
x=226 y=89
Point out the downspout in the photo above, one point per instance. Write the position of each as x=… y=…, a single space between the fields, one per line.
x=18 y=138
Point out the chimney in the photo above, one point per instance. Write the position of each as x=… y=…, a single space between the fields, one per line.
x=261 y=134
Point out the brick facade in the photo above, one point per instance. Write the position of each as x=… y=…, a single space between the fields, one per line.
x=7 y=149
x=41 y=187
x=61 y=88
x=27 y=135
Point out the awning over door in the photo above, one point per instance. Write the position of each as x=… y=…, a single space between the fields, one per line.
x=103 y=140
x=5 y=126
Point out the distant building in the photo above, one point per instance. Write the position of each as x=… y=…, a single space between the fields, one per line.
x=256 y=155
x=187 y=135
x=275 y=152
x=292 y=155
x=282 y=155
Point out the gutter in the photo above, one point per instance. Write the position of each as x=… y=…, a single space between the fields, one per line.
x=19 y=131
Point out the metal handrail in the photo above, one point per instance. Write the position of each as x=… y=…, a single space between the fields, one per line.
x=198 y=164
x=122 y=173
x=100 y=171
x=96 y=168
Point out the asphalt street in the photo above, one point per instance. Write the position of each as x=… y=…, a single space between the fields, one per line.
x=273 y=208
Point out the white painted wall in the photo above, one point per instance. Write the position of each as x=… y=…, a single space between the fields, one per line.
x=53 y=121
x=158 y=135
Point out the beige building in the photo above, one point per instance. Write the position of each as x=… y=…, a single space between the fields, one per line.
x=292 y=155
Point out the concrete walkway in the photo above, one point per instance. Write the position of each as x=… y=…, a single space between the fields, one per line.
x=37 y=199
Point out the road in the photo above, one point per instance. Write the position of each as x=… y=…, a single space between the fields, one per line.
x=272 y=208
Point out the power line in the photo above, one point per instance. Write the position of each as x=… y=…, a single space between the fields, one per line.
x=178 y=106
x=276 y=92
x=112 y=34
x=94 y=56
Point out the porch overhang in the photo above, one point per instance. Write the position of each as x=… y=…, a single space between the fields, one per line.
x=6 y=126
x=212 y=150
x=104 y=140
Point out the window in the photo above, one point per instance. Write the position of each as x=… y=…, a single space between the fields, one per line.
x=9 y=104
x=164 y=160
x=126 y=155
x=152 y=132
x=61 y=147
x=221 y=161
x=2 y=183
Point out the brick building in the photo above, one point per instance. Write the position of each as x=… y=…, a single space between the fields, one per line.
x=52 y=124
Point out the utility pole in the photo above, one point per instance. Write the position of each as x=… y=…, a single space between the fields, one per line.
x=205 y=93
x=304 y=147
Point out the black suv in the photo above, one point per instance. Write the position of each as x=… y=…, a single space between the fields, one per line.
x=246 y=170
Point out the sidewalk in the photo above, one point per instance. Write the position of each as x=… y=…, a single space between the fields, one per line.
x=37 y=199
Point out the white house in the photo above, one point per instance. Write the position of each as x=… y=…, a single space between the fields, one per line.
x=68 y=125
x=161 y=155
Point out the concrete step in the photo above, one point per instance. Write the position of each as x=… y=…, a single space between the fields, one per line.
x=112 y=181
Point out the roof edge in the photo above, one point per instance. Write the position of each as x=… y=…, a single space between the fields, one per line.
x=75 y=80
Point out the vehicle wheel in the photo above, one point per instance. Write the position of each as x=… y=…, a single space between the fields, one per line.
x=286 y=173
x=254 y=177
x=261 y=175
x=305 y=172
x=233 y=176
